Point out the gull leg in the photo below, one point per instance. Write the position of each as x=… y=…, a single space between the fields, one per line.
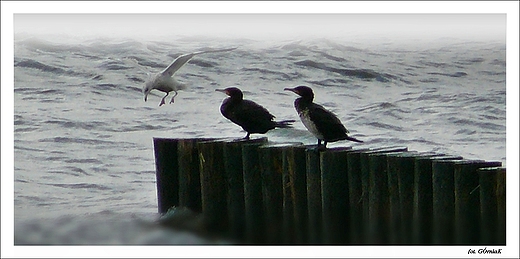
x=162 y=100
x=171 y=101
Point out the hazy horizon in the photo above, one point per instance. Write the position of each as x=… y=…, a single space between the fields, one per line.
x=266 y=26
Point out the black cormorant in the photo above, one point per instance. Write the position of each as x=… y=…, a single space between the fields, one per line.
x=322 y=123
x=252 y=117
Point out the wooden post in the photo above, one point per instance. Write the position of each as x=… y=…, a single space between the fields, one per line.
x=233 y=167
x=295 y=195
x=400 y=190
x=189 y=174
x=467 y=201
x=271 y=163
x=378 y=203
x=213 y=185
x=423 y=198
x=357 y=222
x=314 y=195
x=335 y=199
x=401 y=172
x=253 y=198
x=443 y=194
x=167 y=173
x=365 y=190
x=378 y=199
x=490 y=233
x=370 y=229
x=501 y=206
x=267 y=194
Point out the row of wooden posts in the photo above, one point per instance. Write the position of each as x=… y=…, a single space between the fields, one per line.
x=257 y=192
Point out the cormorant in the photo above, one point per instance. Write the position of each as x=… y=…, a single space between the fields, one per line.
x=322 y=123
x=164 y=81
x=252 y=117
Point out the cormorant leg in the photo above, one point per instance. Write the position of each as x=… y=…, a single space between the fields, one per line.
x=162 y=100
x=171 y=101
x=247 y=136
x=320 y=147
x=325 y=144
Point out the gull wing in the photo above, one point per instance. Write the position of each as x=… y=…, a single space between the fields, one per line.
x=183 y=59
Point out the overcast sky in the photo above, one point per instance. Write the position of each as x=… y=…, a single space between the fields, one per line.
x=266 y=26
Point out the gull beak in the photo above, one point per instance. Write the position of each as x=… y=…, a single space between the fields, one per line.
x=145 y=97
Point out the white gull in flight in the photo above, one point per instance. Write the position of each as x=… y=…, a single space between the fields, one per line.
x=164 y=81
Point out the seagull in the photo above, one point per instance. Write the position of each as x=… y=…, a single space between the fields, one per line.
x=252 y=117
x=164 y=81
x=323 y=124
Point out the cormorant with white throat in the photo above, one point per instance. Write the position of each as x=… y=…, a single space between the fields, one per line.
x=322 y=123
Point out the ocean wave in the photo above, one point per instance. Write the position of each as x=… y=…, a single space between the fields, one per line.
x=77 y=141
x=434 y=64
x=380 y=106
x=456 y=74
x=83 y=161
x=358 y=73
x=141 y=127
x=98 y=77
x=476 y=123
x=330 y=82
x=470 y=61
x=280 y=75
x=107 y=46
x=35 y=93
x=135 y=79
x=114 y=65
x=201 y=63
x=105 y=86
x=330 y=57
x=386 y=126
x=26 y=129
x=40 y=45
x=30 y=63
x=89 y=186
x=70 y=170
x=85 y=125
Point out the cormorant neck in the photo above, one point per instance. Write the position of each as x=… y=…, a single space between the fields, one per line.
x=307 y=98
x=302 y=103
x=236 y=97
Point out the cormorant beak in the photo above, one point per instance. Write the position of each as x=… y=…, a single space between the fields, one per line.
x=222 y=91
x=292 y=90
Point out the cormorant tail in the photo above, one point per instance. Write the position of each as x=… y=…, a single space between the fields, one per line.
x=353 y=139
x=284 y=124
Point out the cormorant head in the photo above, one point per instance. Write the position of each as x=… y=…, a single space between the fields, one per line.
x=303 y=91
x=233 y=92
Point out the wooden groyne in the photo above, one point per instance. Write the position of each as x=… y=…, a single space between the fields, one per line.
x=257 y=192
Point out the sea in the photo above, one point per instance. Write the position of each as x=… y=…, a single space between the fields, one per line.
x=84 y=168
